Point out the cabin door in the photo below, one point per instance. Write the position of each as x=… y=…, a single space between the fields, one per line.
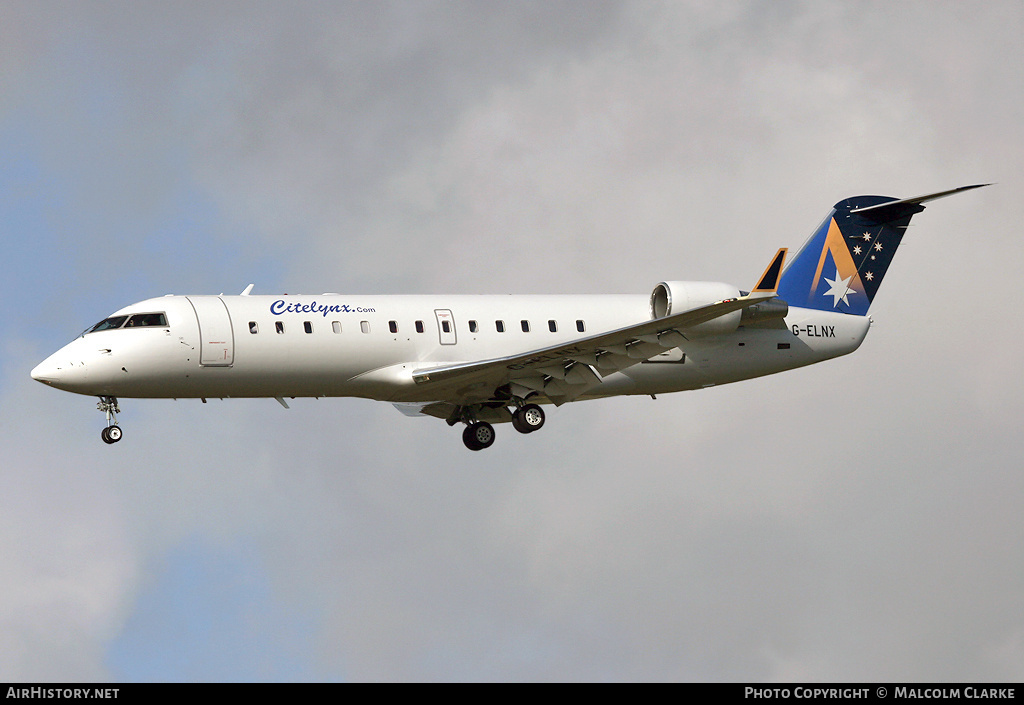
x=216 y=338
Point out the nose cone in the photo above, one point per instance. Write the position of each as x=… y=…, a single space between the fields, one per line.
x=65 y=369
x=46 y=372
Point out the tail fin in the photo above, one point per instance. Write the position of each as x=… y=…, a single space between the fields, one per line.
x=842 y=264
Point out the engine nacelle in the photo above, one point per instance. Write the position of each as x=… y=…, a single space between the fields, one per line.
x=771 y=310
x=676 y=297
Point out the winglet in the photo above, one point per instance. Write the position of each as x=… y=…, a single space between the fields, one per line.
x=769 y=281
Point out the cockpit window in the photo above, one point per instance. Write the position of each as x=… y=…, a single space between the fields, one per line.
x=151 y=320
x=136 y=320
x=108 y=324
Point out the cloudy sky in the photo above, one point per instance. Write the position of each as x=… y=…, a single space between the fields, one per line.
x=858 y=520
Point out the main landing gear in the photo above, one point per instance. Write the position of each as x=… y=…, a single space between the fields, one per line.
x=480 y=434
x=112 y=433
x=528 y=419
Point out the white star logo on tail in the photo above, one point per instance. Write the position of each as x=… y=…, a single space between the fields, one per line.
x=839 y=289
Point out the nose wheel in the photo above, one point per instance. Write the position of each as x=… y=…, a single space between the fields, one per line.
x=112 y=433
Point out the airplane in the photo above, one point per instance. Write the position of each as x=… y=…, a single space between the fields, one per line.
x=485 y=360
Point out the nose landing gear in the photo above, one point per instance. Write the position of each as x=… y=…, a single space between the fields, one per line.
x=112 y=433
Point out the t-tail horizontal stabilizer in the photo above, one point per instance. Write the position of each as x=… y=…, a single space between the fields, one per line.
x=842 y=264
x=892 y=210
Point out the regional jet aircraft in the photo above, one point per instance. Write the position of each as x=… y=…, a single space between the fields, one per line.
x=483 y=360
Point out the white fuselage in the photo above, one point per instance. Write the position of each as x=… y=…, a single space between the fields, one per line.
x=369 y=346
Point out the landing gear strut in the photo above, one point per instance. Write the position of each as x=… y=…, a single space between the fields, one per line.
x=112 y=433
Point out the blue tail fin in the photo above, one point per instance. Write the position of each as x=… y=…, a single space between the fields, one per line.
x=842 y=264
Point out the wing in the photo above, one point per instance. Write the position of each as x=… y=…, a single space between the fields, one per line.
x=563 y=372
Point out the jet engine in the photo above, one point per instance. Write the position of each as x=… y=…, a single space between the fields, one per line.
x=669 y=298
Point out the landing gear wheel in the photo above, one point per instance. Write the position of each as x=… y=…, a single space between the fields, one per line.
x=478 y=436
x=528 y=419
x=112 y=433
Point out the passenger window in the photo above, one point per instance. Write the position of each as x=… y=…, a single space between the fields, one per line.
x=552 y=326
x=393 y=326
x=472 y=327
x=253 y=328
x=446 y=326
x=336 y=325
x=526 y=326
x=580 y=327
x=364 y=326
x=499 y=326
x=419 y=326
x=308 y=326
x=279 y=326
